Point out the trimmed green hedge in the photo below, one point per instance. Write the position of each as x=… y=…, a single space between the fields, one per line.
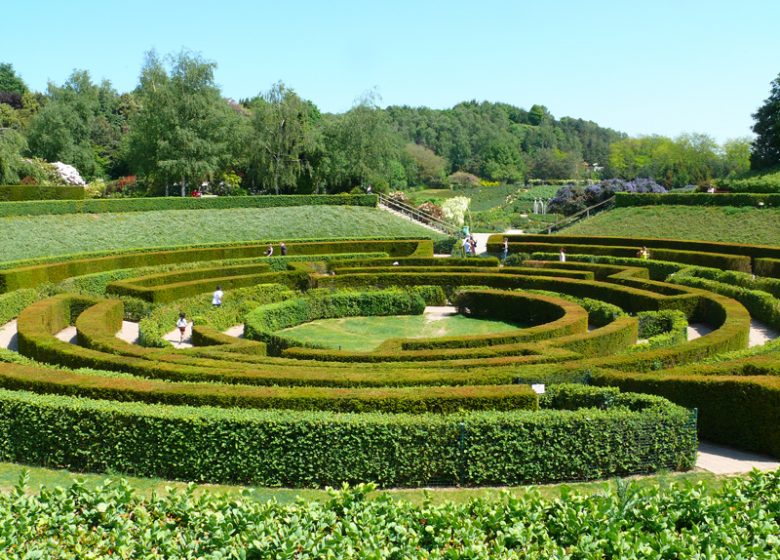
x=264 y=322
x=733 y=410
x=100 y=206
x=318 y=448
x=36 y=274
x=411 y=400
x=753 y=251
x=15 y=193
x=623 y=200
x=699 y=258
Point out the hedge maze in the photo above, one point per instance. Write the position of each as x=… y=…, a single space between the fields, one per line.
x=605 y=332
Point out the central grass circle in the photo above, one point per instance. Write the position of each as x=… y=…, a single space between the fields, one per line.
x=363 y=334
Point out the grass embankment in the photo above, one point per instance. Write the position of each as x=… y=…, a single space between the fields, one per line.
x=362 y=334
x=33 y=236
x=728 y=224
x=49 y=478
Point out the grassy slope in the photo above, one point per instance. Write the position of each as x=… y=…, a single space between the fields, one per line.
x=362 y=334
x=41 y=477
x=33 y=236
x=736 y=225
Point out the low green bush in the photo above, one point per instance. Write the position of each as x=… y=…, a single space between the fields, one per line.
x=99 y=206
x=15 y=193
x=662 y=329
x=734 y=516
x=12 y=303
x=30 y=275
x=746 y=198
x=733 y=410
x=264 y=322
x=292 y=448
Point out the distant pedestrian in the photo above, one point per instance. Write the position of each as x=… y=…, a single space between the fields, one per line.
x=505 y=249
x=562 y=255
x=643 y=253
x=216 y=299
x=182 y=324
x=269 y=251
x=473 y=243
x=466 y=245
x=283 y=249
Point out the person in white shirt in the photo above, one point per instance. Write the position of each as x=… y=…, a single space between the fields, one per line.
x=182 y=324
x=216 y=299
x=562 y=255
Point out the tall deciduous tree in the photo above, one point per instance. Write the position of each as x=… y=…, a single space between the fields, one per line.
x=183 y=129
x=283 y=139
x=78 y=125
x=361 y=145
x=766 y=147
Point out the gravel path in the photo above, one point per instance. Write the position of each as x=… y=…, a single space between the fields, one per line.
x=128 y=332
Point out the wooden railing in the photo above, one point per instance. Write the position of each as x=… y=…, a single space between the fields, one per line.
x=417 y=215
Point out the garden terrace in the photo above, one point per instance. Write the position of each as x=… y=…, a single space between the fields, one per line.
x=436 y=409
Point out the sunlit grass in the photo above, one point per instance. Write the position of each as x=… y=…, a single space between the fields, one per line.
x=361 y=334
x=34 y=236
x=41 y=477
x=758 y=226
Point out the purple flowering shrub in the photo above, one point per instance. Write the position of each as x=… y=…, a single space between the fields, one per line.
x=571 y=199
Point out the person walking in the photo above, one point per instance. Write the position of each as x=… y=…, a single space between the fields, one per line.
x=562 y=255
x=466 y=246
x=505 y=249
x=216 y=299
x=182 y=324
x=473 y=243
x=283 y=249
x=269 y=251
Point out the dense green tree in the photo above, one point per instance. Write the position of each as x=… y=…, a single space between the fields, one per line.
x=361 y=147
x=766 y=146
x=183 y=128
x=12 y=87
x=283 y=140
x=736 y=157
x=426 y=168
x=76 y=125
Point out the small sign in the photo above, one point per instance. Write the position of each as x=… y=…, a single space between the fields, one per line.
x=538 y=388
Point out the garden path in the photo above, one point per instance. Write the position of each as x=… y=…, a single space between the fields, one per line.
x=128 y=332
x=8 y=336
x=720 y=459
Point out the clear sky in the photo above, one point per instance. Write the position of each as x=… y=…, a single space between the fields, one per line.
x=641 y=66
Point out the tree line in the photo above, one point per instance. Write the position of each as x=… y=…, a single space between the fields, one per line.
x=176 y=131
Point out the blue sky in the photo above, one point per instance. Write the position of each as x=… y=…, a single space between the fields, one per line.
x=652 y=67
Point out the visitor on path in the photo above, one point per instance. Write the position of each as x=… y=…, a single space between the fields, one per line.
x=182 y=324
x=643 y=253
x=466 y=246
x=269 y=251
x=216 y=299
x=562 y=255
x=283 y=249
x=505 y=249
x=473 y=243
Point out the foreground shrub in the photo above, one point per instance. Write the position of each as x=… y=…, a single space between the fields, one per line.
x=737 y=520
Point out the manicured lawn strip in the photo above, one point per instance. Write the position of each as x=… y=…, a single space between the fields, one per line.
x=363 y=334
x=727 y=224
x=42 y=477
x=32 y=236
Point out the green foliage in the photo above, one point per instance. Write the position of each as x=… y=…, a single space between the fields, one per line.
x=667 y=327
x=183 y=131
x=264 y=322
x=284 y=140
x=624 y=520
x=766 y=146
x=35 y=192
x=624 y=200
x=318 y=448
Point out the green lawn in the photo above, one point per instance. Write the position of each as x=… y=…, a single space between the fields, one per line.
x=362 y=334
x=736 y=225
x=33 y=236
x=41 y=477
